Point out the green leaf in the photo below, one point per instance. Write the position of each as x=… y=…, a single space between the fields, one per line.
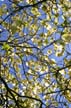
x=6 y=46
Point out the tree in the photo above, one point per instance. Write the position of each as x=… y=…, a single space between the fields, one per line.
x=35 y=53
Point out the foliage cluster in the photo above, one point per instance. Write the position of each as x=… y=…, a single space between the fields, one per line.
x=35 y=53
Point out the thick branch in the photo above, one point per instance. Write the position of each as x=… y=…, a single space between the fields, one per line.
x=8 y=89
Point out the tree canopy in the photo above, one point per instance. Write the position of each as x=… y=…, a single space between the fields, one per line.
x=35 y=53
